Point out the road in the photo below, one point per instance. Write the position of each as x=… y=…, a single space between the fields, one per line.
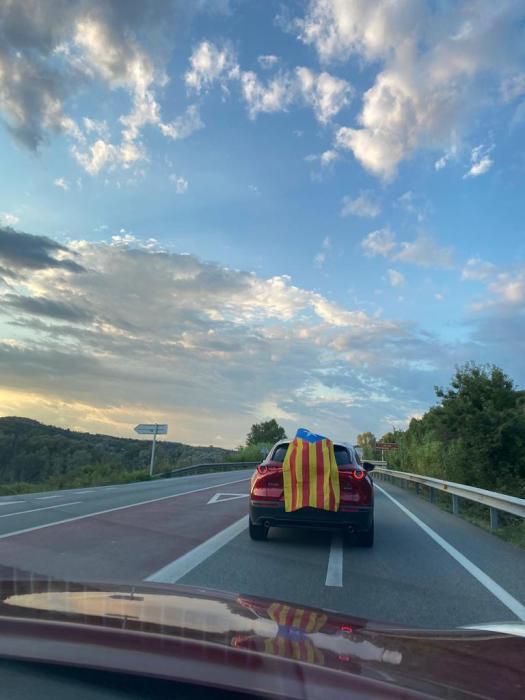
x=428 y=568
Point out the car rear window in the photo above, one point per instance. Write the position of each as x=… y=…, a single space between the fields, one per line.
x=341 y=454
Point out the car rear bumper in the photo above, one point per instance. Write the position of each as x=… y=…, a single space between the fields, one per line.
x=359 y=519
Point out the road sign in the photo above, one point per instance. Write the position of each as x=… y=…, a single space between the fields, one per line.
x=387 y=445
x=151 y=429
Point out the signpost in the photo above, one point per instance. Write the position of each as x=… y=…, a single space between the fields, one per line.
x=152 y=429
x=386 y=446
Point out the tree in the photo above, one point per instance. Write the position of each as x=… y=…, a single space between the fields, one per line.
x=367 y=441
x=266 y=432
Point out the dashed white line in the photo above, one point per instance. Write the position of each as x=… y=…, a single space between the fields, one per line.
x=81 y=493
x=10 y=503
x=46 y=498
x=180 y=567
x=34 y=510
x=497 y=591
x=334 y=572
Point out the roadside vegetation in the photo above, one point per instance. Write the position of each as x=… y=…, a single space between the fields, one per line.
x=474 y=435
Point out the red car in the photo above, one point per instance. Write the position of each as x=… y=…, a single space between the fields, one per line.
x=356 y=508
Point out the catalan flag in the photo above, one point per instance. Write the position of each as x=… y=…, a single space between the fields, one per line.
x=310 y=474
x=294 y=626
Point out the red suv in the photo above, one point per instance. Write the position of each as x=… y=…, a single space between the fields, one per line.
x=356 y=507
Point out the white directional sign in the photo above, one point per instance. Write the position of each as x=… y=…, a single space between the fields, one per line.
x=151 y=429
x=221 y=497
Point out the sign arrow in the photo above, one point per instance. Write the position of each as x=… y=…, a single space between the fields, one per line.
x=220 y=497
x=151 y=429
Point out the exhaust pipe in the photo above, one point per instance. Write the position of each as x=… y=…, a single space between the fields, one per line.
x=266 y=523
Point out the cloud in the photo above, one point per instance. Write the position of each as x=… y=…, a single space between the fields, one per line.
x=8 y=219
x=60 y=182
x=181 y=184
x=509 y=288
x=325 y=94
x=365 y=204
x=477 y=269
x=141 y=333
x=513 y=87
x=23 y=251
x=481 y=161
x=210 y=63
x=46 y=58
x=268 y=61
x=434 y=69
x=380 y=242
x=184 y=125
x=395 y=278
x=438 y=296
x=423 y=251
x=320 y=257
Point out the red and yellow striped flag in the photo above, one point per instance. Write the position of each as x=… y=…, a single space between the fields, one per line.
x=310 y=474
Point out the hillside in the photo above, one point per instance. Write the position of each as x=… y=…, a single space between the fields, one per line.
x=34 y=453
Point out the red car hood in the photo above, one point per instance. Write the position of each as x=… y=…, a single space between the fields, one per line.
x=251 y=644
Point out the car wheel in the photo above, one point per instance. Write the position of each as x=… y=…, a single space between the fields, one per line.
x=366 y=539
x=258 y=532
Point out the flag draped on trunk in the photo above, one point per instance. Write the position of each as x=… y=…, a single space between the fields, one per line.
x=310 y=473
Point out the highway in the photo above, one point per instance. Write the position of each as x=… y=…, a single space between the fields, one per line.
x=428 y=568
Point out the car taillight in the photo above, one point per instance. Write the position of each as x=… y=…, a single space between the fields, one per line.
x=262 y=469
x=358 y=474
x=267 y=483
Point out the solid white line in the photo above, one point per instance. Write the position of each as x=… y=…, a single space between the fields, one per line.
x=10 y=503
x=334 y=572
x=108 y=510
x=46 y=498
x=497 y=591
x=34 y=510
x=180 y=567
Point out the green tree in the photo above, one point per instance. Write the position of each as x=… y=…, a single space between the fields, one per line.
x=266 y=432
x=367 y=441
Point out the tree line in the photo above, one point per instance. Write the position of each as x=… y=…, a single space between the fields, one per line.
x=474 y=435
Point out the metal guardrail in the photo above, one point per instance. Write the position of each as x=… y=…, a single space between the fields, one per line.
x=212 y=466
x=496 y=502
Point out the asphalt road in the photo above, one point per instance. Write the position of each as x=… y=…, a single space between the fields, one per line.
x=428 y=568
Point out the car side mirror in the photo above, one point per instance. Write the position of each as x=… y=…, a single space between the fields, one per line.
x=368 y=466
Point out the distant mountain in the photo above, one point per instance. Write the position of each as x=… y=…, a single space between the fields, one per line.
x=35 y=453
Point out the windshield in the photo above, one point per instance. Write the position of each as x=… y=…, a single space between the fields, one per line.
x=227 y=224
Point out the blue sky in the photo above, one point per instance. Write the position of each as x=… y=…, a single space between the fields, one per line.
x=311 y=211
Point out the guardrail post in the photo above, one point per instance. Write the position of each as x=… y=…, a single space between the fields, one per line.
x=494 y=519
x=417 y=489
x=455 y=504
x=431 y=494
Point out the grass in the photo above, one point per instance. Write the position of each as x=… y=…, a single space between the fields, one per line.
x=511 y=528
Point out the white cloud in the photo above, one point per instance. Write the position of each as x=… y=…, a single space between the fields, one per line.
x=320 y=257
x=477 y=269
x=325 y=93
x=209 y=64
x=183 y=126
x=509 y=288
x=438 y=296
x=274 y=96
x=380 y=242
x=423 y=251
x=328 y=157
x=365 y=204
x=60 y=182
x=481 y=161
x=181 y=184
x=98 y=127
x=102 y=155
x=268 y=61
x=513 y=87
x=8 y=219
x=395 y=278
x=431 y=64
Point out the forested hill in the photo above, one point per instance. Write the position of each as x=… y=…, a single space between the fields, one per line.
x=43 y=454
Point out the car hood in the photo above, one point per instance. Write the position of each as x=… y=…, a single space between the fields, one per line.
x=237 y=640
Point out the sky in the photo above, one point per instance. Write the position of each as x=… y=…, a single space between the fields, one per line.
x=219 y=212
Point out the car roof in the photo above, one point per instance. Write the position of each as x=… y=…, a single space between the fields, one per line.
x=346 y=445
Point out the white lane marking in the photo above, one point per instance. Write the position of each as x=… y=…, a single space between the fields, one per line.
x=80 y=493
x=334 y=571
x=108 y=510
x=184 y=564
x=34 y=510
x=10 y=503
x=46 y=498
x=497 y=591
x=221 y=497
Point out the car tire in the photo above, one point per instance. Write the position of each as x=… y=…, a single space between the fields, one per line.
x=366 y=538
x=258 y=532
